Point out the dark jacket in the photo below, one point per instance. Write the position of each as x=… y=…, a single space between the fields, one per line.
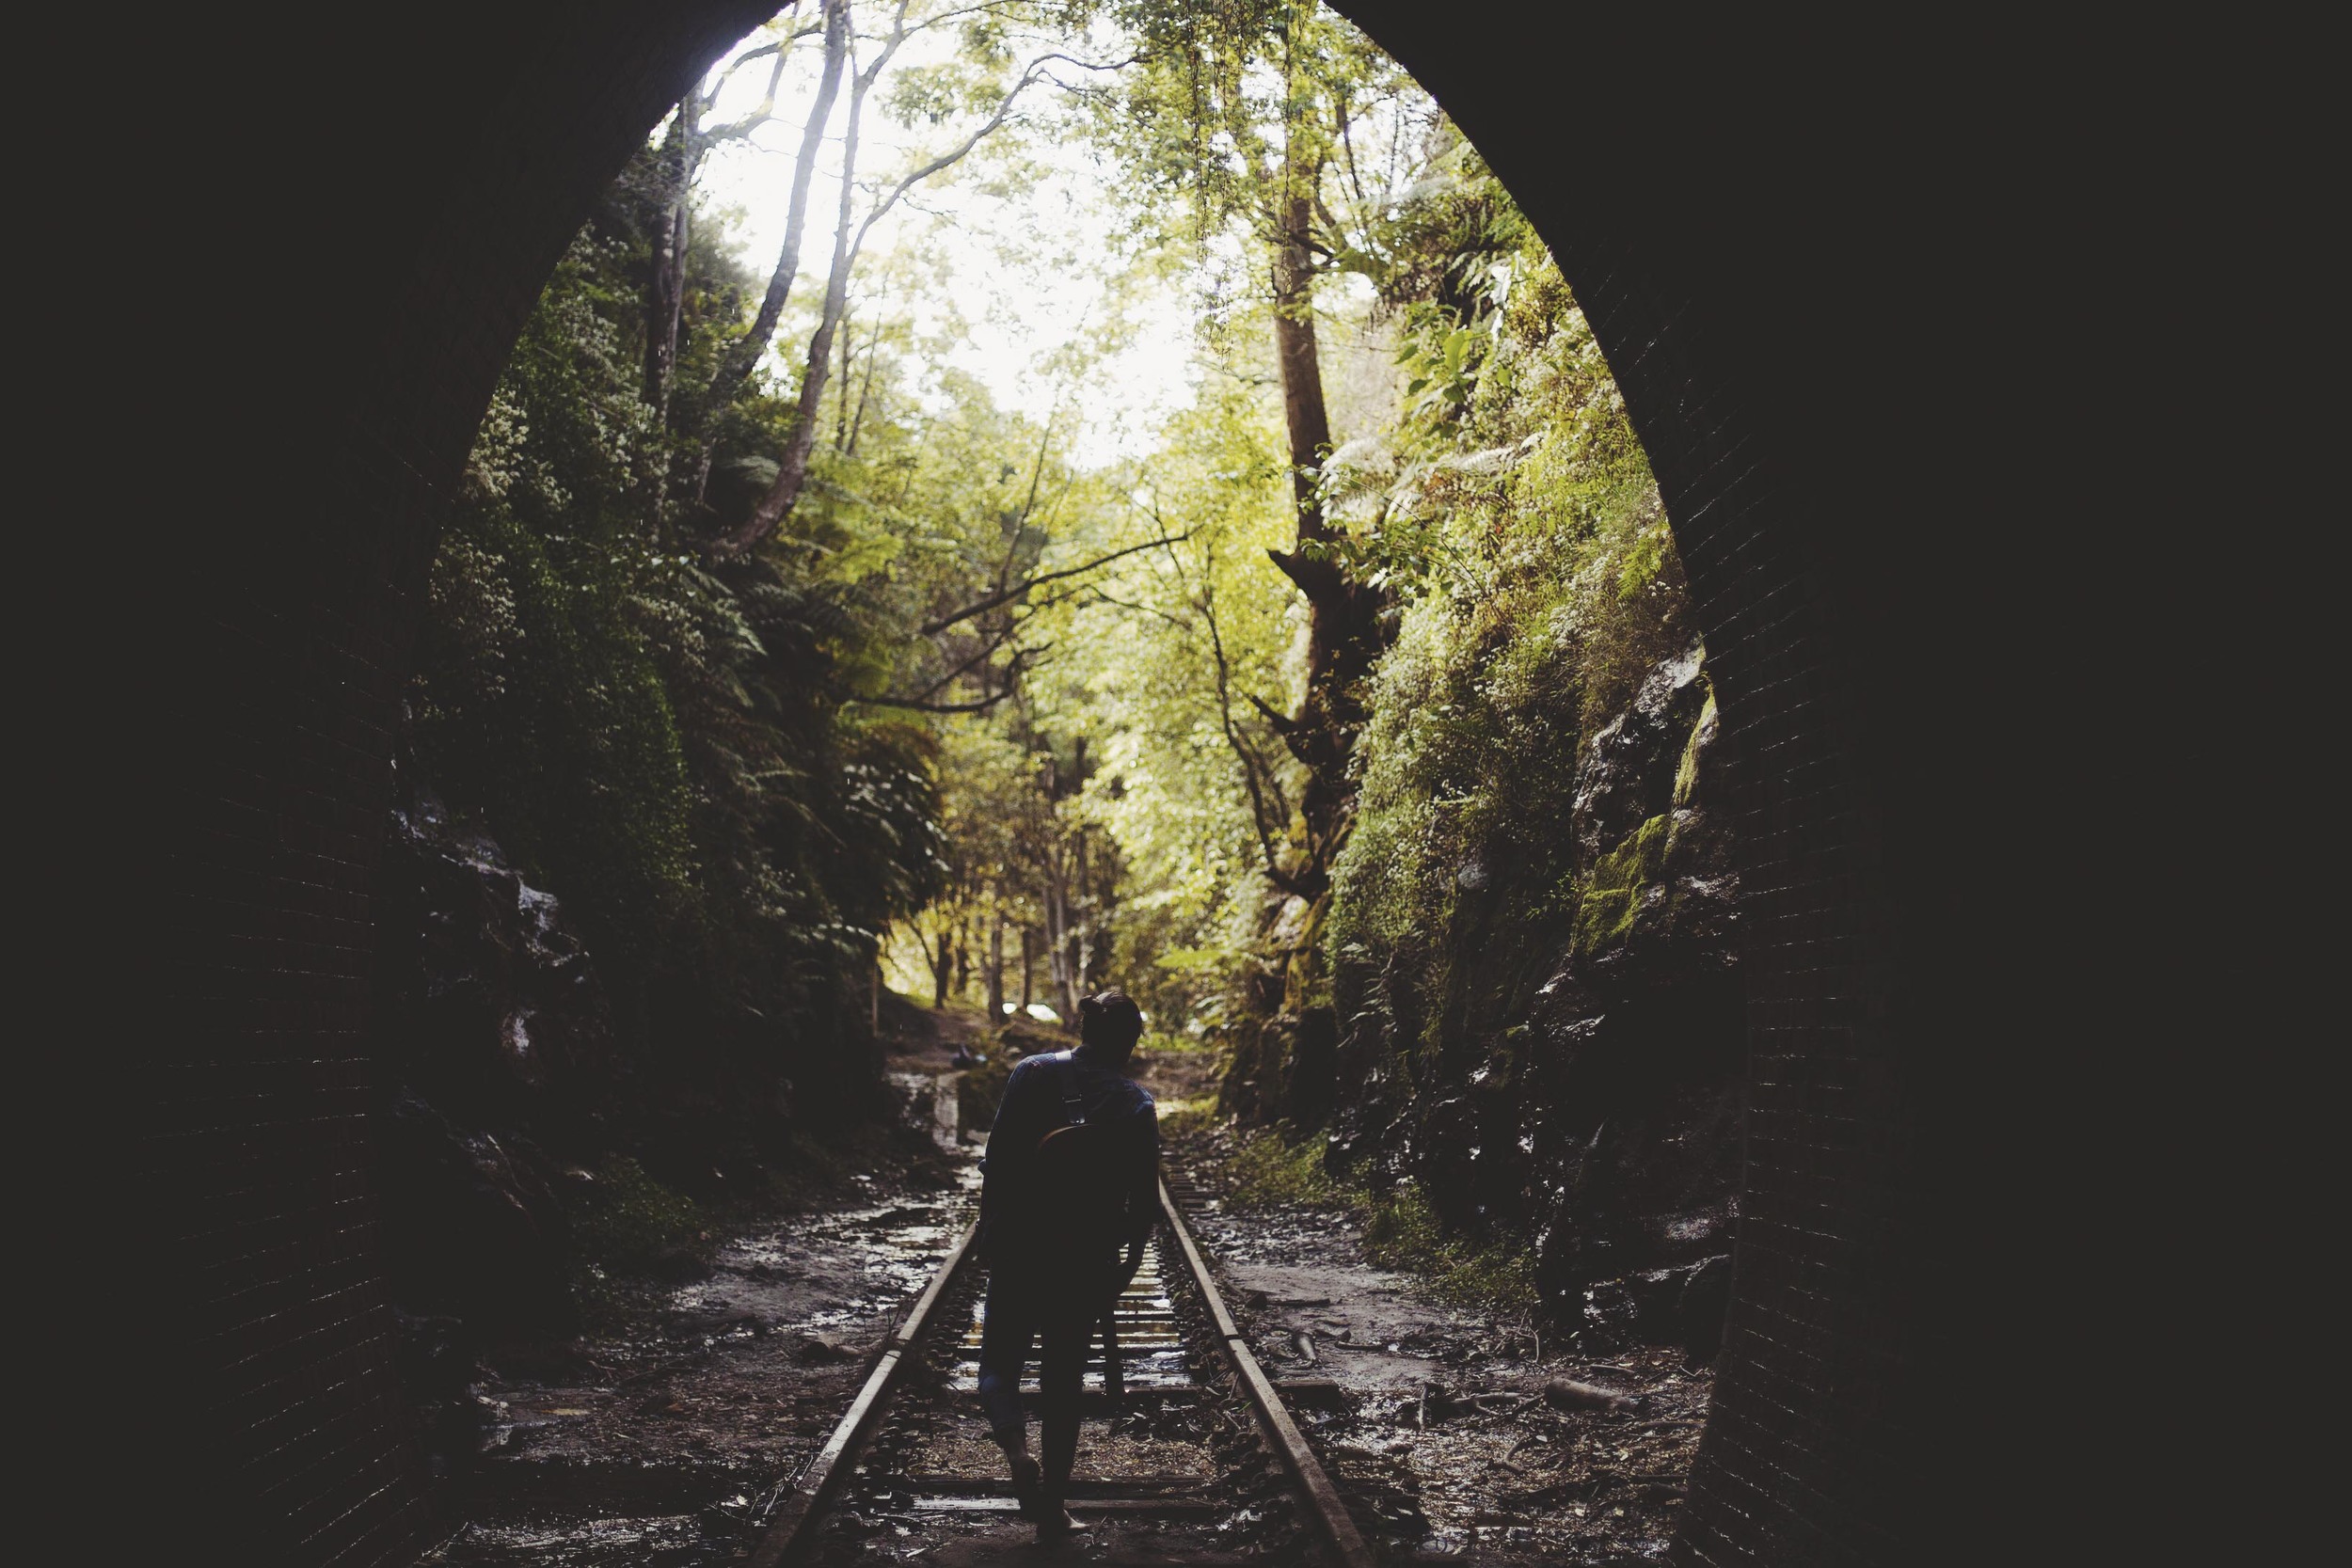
x=1017 y=1224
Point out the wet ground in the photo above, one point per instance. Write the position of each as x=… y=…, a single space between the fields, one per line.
x=1173 y=1474
x=665 y=1445
x=666 y=1441
x=1435 y=1421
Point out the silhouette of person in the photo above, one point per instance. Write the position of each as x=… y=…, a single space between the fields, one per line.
x=1070 y=1189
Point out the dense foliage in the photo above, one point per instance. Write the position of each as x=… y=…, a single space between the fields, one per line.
x=1514 y=496
x=775 y=646
x=663 y=740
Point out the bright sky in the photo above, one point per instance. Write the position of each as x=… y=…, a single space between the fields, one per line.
x=1025 y=273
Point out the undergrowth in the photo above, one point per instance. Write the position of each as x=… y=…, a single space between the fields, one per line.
x=1183 y=1119
x=980 y=1089
x=1262 y=1168
x=1401 y=1232
x=1160 y=1043
x=814 y=1170
x=632 y=1228
x=632 y=1234
x=1265 y=1170
x=635 y=1225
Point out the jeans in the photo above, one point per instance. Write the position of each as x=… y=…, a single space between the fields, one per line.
x=1056 y=1307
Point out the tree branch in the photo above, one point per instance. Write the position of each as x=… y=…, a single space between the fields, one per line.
x=980 y=705
x=1250 y=762
x=1140 y=609
x=1292 y=732
x=1003 y=110
x=792 y=472
x=986 y=648
x=982 y=607
x=766 y=109
x=736 y=363
x=784 y=494
x=1347 y=145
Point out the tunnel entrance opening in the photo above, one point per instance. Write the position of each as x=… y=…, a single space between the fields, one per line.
x=1818 y=1338
x=1308 y=656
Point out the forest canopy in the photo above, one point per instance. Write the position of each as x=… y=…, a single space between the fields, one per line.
x=1037 y=495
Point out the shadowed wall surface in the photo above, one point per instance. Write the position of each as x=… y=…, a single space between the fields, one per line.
x=1805 y=276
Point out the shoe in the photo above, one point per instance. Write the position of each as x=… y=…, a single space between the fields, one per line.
x=1028 y=1487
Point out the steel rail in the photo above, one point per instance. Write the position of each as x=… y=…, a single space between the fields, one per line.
x=1290 y=1443
x=794 y=1521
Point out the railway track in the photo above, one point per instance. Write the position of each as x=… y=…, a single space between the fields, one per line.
x=1199 y=1462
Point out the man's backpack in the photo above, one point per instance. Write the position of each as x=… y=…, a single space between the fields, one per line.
x=1078 y=1173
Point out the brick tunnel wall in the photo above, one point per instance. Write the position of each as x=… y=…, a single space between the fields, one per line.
x=1802 y=1461
x=497 y=127
x=255 y=1146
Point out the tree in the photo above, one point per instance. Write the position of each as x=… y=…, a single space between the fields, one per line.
x=1283 y=86
x=792 y=472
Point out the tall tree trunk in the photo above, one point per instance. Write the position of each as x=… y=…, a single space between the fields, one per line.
x=864 y=391
x=1300 y=360
x=1064 y=938
x=667 y=303
x=735 y=365
x=841 y=404
x=665 y=300
x=1029 y=968
x=776 y=506
x=1053 y=946
x=792 y=470
x=996 y=964
x=1343 y=616
x=1082 y=929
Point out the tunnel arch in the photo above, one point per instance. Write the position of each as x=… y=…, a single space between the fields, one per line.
x=1747 y=358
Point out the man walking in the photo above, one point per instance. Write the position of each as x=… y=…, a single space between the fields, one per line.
x=1070 y=1191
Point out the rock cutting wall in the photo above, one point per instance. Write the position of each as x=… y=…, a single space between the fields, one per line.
x=503 y=1076
x=1564 y=1062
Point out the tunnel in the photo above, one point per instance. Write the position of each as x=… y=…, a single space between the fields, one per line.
x=1811 y=262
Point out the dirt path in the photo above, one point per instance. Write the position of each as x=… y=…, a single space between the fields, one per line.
x=661 y=1441
x=664 y=1440
x=1433 y=1416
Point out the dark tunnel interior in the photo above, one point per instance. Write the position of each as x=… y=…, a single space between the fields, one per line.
x=1882 y=309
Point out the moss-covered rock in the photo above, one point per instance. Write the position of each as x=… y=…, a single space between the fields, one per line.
x=1614 y=888
x=1526 y=947
x=1702 y=736
x=1539 y=1012
x=1632 y=768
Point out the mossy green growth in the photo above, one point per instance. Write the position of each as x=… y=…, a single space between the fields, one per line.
x=1268 y=1170
x=632 y=1228
x=1603 y=918
x=980 y=1089
x=1560 y=592
x=1181 y=1118
x=1613 y=891
x=1401 y=1230
x=635 y=1225
x=1687 y=770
